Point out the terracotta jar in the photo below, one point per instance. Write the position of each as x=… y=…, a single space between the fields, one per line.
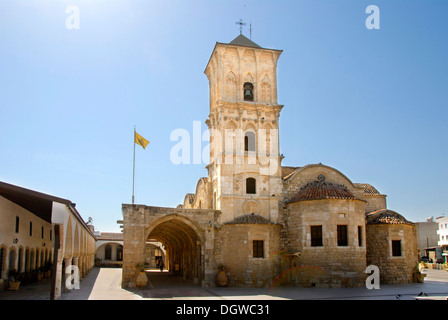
x=142 y=280
x=221 y=278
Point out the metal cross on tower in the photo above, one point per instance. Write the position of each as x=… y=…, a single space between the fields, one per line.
x=241 y=23
x=250 y=30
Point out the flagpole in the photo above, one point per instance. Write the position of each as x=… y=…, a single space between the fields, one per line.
x=133 y=170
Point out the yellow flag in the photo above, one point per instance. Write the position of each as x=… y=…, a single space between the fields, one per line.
x=138 y=139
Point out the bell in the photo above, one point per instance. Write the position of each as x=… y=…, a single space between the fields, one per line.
x=248 y=93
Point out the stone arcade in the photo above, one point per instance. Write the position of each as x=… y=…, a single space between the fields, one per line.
x=265 y=223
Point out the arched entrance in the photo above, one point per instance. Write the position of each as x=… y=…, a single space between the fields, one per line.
x=182 y=242
x=186 y=235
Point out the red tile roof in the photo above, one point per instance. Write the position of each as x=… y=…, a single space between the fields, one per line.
x=250 y=219
x=318 y=190
x=369 y=190
x=385 y=216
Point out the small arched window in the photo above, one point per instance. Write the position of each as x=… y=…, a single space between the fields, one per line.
x=248 y=91
x=249 y=141
x=108 y=252
x=251 y=186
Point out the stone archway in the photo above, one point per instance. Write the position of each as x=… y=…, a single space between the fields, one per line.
x=182 y=242
x=186 y=234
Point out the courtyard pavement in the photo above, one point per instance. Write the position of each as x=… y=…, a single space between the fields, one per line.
x=105 y=284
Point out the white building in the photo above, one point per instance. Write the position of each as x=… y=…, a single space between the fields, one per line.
x=427 y=236
x=41 y=233
x=443 y=236
x=109 y=250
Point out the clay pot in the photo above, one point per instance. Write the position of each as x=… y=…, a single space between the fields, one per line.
x=221 y=279
x=14 y=285
x=142 y=280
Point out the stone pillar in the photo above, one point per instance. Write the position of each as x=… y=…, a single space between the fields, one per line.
x=84 y=266
x=81 y=263
x=134 y=243
x=56 y=258
x=196 y=262
x=75 y=261
x=58 y=282
x=67 y=262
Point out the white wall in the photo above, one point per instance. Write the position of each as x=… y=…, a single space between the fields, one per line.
x=443 y=231
x=101 y=246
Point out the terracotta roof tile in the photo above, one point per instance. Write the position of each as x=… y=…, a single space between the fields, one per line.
x=249 y=219
x=385 y=216
x=369 y=190
x=318 y=190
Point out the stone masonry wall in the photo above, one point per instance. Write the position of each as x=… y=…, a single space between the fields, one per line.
x=234 y=249
x=374 y=203
x=328 y=265
x=393 y=270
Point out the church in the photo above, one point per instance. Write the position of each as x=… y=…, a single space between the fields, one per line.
x=262 y=223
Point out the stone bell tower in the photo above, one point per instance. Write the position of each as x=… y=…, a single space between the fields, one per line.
x=245 y=163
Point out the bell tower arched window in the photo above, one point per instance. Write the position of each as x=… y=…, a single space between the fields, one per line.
x=249 y=141
x=251 y=186
x=248 y=91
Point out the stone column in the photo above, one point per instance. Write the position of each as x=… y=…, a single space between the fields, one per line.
x=84 y=266
x=81 y=267
x=75 y=261
x=67 y=262
x=133 y=244
x=58 y=282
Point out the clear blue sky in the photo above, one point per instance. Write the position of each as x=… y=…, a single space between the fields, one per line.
x=370 y=103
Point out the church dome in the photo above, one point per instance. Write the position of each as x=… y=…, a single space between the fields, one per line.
x=385 y=216
x=249 y=219
x=318 y=190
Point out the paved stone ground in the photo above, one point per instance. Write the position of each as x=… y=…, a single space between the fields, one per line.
x=104 y=284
